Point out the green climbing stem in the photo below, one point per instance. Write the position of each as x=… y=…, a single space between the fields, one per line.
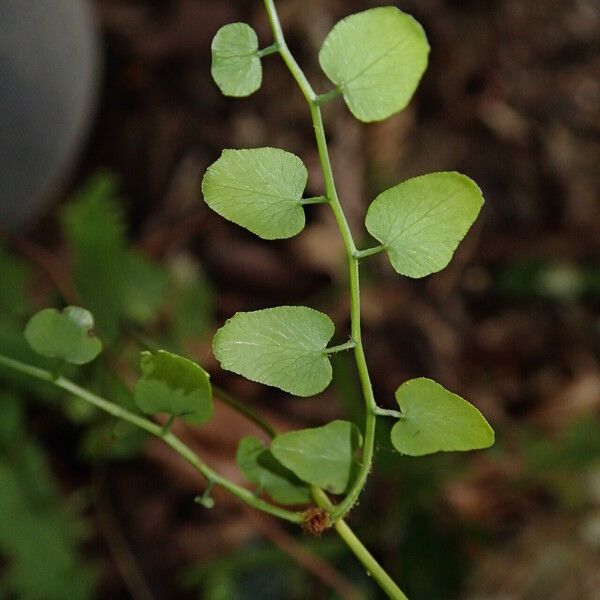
x=337 y=512
x=350 y=499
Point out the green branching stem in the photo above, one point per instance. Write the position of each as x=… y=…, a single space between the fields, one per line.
x=154 y=429
x=348 y=502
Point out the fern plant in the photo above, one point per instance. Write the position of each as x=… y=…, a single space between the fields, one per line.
x=375 y=60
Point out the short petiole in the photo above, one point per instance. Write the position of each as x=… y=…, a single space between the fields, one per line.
x=347 y=346
x=167 y=426
x=387 y=412
x=324 y=98
x=272 y=49
x=206 y=500
x=358 y=254
x=314 y=200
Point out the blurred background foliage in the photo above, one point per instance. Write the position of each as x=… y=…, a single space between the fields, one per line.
x=91 y=508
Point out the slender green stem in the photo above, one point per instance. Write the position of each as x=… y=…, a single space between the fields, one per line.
x=374 y=569
x=315 y=200
x=368 y=252
x=154 y=429
x=347 y=346
x=289 y=60
x=330 y=191
x=240 y=407
x=272 y=49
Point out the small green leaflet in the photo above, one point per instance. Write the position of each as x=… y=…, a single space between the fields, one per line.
x=376 y=58
x=68 y=335
x=283 y=347
x=422 y=220
x=174 y=385
x=259 y=189
x=323 y=456
x=260 y=467
x=436 y=420
x=236 y=66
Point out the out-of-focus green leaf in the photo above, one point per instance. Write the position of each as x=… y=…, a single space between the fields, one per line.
x=79 y=411
x=94 y=227
x=37 y=536
x=144 y=290
x=68 y=335
x=190 y=302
